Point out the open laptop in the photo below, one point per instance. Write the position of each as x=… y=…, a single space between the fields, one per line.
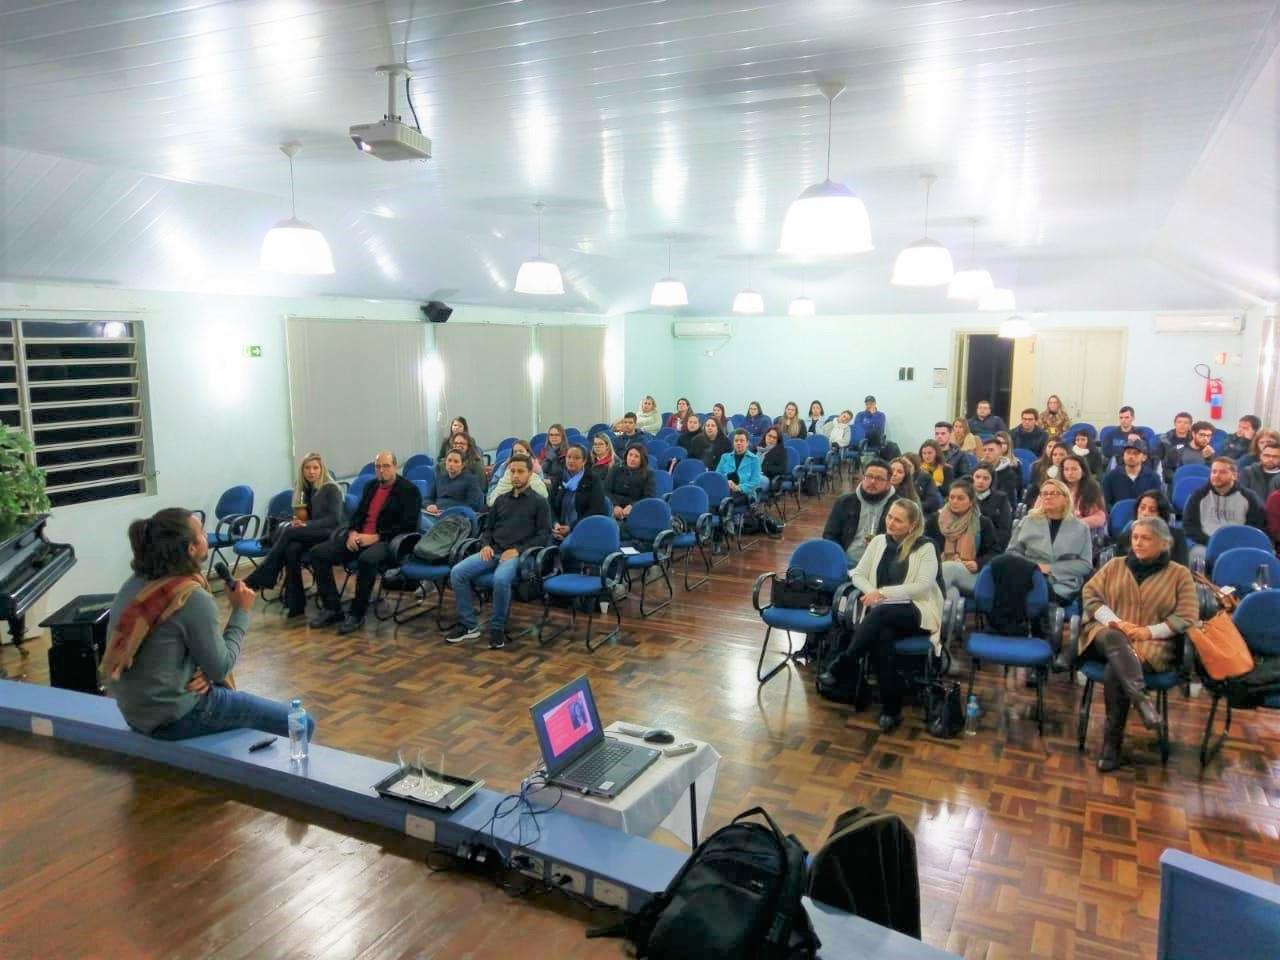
x=574 y=748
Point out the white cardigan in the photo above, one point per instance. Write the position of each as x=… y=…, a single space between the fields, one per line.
x=920 y=586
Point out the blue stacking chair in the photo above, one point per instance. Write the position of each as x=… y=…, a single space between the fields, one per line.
x=666 y=415
x=1120 y=516
x=233 y=521
x=410 y=575
x=504 y=448
x=1026 y=460
x=687 y=471
x=656 y=447
x=1220 y=437
x=662 y=484
x=1105 y=435
x=670 y=455
x=368 y=470
x=1258 y=620
x=417 y=460
x=917 y=649
x=1183 y=489
x=1232 y=536
x=424 y=488
x=691 y=510
x=716 y=486
x=598 y=428
x=356 y=489
x=1198 y=470
x=668 y=434
x=1020 y=651
x=536 y=442
x=253 y=549
x=421 y=473
x=818 y=461
x=1238 y=567
x=585 y=569
x=790 y=482
x=818 y=559
x=738 y=419
x=1089 y=428
x=648 y=528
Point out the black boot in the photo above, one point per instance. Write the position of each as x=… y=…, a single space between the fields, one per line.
x=1127 y=666
x=1117 y=704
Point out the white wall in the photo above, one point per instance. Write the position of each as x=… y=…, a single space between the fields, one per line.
x=217 y=417
x=839 y=360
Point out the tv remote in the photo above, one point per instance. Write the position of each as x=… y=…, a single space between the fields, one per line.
x=679 y=749
x=631 y=730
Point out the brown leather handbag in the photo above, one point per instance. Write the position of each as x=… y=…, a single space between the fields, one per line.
x=1221 y=649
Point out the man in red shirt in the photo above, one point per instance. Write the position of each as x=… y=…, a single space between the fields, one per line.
x=389 y=506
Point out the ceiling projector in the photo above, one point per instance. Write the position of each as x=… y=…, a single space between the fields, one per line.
x=388 y=138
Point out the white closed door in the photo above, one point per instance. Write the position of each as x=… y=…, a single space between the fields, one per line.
x=1083 y=367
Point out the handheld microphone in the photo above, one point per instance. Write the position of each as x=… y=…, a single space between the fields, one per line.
x=224 y=574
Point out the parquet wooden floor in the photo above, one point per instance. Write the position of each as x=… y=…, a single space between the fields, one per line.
x=1025 y=850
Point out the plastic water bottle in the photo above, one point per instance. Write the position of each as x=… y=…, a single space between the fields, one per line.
x=297 y=731
x=971 y=712
x=1262 y=579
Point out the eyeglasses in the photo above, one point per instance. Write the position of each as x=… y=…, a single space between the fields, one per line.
x=874 y=478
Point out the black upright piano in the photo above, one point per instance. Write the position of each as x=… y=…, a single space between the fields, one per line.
x=29 y=566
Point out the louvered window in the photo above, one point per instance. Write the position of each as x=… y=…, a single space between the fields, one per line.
x=76 y=388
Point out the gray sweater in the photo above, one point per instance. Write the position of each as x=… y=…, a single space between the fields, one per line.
x=1069 y=554
x=152 y=692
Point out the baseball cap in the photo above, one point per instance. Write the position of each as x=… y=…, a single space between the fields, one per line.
x=868 y=399
x=1136 y=443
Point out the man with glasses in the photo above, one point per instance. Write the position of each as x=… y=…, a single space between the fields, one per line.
x=857 y=517
x=388 y=508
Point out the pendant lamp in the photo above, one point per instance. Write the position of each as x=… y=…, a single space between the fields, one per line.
x=926 y=263
x=827 y=219
x=538 y=276
x=1015 y=328
x=669 y=292
x=293 y=245
x=970 y=284
x=748 y=301
x=801 y=307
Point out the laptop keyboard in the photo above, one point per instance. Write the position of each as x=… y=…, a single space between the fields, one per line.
x=589 y=771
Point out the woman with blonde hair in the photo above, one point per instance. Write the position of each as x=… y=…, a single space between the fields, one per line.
x=962 y=437
x=1054 y=419
x=1053 y=538
x=317 y=511
x=790 y=424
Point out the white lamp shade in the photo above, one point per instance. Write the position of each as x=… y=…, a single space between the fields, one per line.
x=926 y=263
x=970 y=285
x=294 y=246
x=827 y=220
x=748 y=301
x=1015 y=328
x=801 y=307
x=669 y=293
x=998 y=298
x=538 y=276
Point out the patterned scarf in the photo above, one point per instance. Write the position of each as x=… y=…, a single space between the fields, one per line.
x=959 y=534
x=155 y=603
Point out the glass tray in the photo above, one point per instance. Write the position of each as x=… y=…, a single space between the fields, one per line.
x=427 y=788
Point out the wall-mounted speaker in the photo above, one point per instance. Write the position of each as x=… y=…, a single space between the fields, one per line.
x=436 y=311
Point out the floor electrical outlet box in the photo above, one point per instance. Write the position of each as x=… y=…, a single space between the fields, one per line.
x=531 y=866
x=568 y=879
x=610 y=894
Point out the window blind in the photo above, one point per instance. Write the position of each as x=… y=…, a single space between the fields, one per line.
x=486 y=380
x=573 y=388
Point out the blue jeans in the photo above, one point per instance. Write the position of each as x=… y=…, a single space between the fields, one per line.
x=504 y=575
x=225 y=709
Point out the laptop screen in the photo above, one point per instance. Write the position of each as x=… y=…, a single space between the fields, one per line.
x=567 y=724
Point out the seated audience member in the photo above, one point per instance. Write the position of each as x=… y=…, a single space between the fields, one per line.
x=840 y=430
x=317 y=511
x=1114 y=446
x=899 y=564
x=966 y=539
x=677 y=419
x=455 y=486
x=1132 y=476
x=995 y=506
x=1135 y=610
x=1272 y=509
x=858 y=516
x=816 y=416
x=1053 y=538
x=1238 y=444
x=927 y=491
x=711 y=445
x=1173 y=442
x=935 y=466
x=388 y=507
x=1198 y=450
x=575 y=493
x=1263 y=478
x=1083 y=448
x=1053 y=418
x=1048 y=466
x=554 y=451
x=472 y=458
x=518 y=521
x=692 y=430
x=871 y=423
x=721 y=417
x=984 y=423
x=1260 y=439
x=1008 y=472
x=757 y=422
x=902 y=480
x=166 y=662
x=627 y=433
x=1219 y=503
x=773 y=457
x=960 y=462
x=742 y=468
x=602 y=458
x=502 y=483
x=456 y=426
x=630 y=480
x=963 y=440
x=1153 y=503
x=1029 y=435
x=790 y=424
x=648 y=420
x=1086 y=495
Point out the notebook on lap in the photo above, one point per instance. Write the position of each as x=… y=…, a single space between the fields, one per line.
x=574 y=748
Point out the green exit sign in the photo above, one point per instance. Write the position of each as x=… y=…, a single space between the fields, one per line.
x=253 y=350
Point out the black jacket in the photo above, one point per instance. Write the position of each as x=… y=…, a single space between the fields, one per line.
x=928 y=492
x=842 y=522
x=986 y=427
x=621 y=441
x=398 y=515
x=1033 y=441
x=774 y=463
x=710 y=453
x=625 y=486
x=997 y=508
x=588 y=501
x=1009 y=481
x=1235 y=447
x=324 y=506
x=1260 y=483
x=686 y=438
x=988 y=541
x=520 y=522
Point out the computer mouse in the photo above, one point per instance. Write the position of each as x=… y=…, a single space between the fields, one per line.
x=659 y=736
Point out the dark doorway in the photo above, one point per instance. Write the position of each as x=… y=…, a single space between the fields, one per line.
x=989 y=374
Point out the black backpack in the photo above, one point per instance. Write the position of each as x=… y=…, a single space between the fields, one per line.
x=736 y=898
x=944 y=709
x=438 y=543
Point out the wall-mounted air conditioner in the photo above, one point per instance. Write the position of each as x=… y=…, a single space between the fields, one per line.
x=701 y=329
x=1223 y=323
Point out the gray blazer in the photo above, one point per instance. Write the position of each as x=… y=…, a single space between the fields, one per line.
x=326 y=507
x=1069 y=554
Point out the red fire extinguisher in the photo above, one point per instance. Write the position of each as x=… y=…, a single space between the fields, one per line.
x=1212 y=391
